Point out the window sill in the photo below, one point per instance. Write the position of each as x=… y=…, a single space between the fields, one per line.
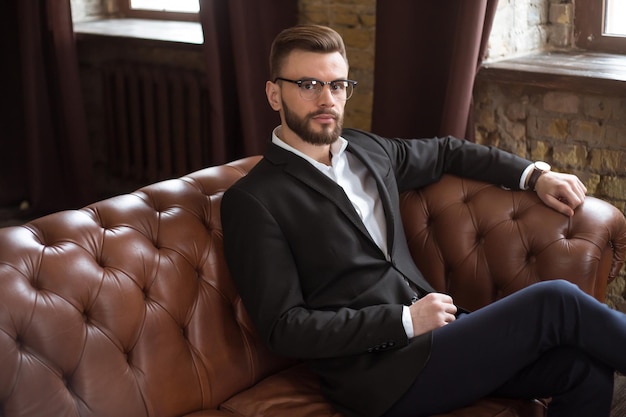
x=594 y=73
x=143 y=29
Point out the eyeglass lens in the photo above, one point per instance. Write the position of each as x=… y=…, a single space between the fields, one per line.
x=312 y=89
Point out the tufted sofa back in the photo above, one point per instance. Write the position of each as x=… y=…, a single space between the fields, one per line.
x=480 y=242
x=125 y=308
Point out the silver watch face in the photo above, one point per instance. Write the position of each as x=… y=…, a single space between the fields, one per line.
x=543 y=166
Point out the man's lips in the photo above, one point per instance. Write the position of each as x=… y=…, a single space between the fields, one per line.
x=324 y=117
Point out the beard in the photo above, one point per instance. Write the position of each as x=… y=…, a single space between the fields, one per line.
x=302 y=126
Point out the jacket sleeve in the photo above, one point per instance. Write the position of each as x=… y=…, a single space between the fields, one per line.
x=419 y=162
x=263 y=269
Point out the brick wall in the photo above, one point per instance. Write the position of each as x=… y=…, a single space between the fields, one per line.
x=523 y=26
x=576 y=132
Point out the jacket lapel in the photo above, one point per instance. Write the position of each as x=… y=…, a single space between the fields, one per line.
x=307 y=174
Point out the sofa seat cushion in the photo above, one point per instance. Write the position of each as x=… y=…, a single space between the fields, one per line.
x=500 y=407
x=293 y=392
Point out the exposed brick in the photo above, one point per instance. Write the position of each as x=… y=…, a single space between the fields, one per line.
x=615 y=135
x=591 y=181
x=540 y=151
x=360 y=3
x=547 y=127
x=512 y=139
x=559 y=102
x=313 y=14
x=357 y=38
x=488 y=119
x=615 y=291
x=587 y=131
x=346 y=16
x=517 y=130
x=607 y=161
x=560 y=36
x=362 y=60
x=571 y=156
x=368 y=19
x=517 y=110
x=600 y=107
x=561 y=13
x=612 y=187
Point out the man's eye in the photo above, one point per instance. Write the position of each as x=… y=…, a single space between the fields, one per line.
x=308 y=85
x=339 y=85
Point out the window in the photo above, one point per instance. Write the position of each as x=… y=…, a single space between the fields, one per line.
x=600 y=25
x=615 y=18
x=161 y=9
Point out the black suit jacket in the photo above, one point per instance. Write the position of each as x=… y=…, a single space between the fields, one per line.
x=316 y=285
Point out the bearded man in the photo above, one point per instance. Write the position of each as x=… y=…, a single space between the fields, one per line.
x=314 y=241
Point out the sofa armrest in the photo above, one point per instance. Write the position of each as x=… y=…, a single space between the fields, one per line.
x=480 y=242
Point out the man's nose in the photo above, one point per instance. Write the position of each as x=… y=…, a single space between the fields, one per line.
x=326 y=96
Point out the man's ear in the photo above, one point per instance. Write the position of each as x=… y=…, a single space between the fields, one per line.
x=272 y=91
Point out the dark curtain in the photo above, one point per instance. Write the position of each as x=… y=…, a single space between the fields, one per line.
x=427 y=56
x=237 y=38
x=45 y=152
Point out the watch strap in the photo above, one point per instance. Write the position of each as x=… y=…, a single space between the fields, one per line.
x=534 y=176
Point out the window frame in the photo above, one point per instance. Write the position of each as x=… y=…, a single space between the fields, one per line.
x=589 y=28
x=128 y=12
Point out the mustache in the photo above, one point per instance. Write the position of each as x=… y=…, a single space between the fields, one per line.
x=321 y=112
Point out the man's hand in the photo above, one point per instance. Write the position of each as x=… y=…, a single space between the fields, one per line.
x=562 y=192
x=431 y=312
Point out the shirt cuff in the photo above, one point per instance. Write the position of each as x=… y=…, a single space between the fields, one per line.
x=407 y=322
x=525 y=174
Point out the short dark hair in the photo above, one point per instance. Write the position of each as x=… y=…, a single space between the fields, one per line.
x=310 y=38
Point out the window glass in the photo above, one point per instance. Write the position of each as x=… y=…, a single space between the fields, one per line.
x=181 y=6
x=615 y=18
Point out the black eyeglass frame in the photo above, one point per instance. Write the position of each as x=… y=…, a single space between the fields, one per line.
x=299 y=83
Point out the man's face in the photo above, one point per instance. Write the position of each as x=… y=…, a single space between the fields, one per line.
x=318 y=121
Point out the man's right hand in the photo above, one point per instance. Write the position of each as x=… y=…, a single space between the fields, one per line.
x=431 y=312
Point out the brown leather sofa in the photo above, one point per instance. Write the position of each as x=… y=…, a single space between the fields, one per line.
x=125 y=308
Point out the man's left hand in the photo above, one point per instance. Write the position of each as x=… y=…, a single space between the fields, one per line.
x=562 y=192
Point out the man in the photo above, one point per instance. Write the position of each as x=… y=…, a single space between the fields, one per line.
x=314 y=241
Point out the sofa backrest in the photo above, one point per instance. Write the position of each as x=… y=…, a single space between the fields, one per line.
x=125 y=307
x=480 y=242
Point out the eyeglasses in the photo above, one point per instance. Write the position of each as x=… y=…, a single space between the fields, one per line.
x=311 y=89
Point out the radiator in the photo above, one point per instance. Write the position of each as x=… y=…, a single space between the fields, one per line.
x=156 y=121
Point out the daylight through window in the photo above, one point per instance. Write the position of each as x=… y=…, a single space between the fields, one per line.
x=615 y=18
x=181 y=6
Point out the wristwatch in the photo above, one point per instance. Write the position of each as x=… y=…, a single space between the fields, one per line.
x=539 y=168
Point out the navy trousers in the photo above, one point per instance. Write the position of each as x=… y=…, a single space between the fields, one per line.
x=548 y=340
